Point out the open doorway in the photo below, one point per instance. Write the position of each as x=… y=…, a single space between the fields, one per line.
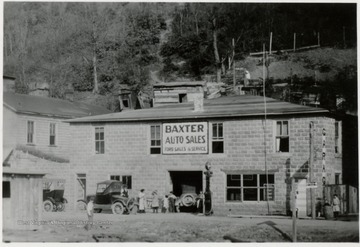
x=188 y=183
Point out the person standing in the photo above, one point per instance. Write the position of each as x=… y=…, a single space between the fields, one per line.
x=166 y=204
x=155 y=202
x=336 y=206
x=90 y=213
x=142 y=201
x=172 y=199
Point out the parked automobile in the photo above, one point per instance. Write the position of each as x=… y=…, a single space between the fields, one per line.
x=108 y=197
x=53 y=195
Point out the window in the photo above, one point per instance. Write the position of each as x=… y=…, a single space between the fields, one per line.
x=337 y=178
x=126 y=180
x=338 y=137
x=217 y=138
x=155 y=145
x=282 y=136
x=249 y=187
x=115 y=177
x=30 y=132
x=52 y=133
x=99 y=140
x=6 y=189
x=125 y=103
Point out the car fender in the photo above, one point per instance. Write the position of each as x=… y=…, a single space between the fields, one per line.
x=64 y=200
x=51 y=199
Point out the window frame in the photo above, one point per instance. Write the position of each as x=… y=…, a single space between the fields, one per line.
x=281 y=136
x=32 y=133
x=54 y=133
x=338 y=137
x=217 y=138
x=154 y=146
x=129 y=185
x=111 y=177
x=100 y=141
x=242 y=187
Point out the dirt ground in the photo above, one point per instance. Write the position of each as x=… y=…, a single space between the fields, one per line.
x=182 y=227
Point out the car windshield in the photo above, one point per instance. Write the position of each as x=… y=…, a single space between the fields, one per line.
x=100 y=188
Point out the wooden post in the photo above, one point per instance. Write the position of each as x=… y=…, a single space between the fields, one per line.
x=293 y=209
x=234 y=78
x=318 y=36
x=311 y=166
x=294 y=42
x=270 y=46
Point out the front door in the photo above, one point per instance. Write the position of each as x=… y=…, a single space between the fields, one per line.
x=301 y=198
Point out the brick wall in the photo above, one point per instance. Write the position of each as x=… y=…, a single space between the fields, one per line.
x=127 y=153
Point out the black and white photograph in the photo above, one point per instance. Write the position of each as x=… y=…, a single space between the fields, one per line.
x=180 y=122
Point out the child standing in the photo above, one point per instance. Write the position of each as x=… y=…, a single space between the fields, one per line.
x=155 y=202
x=90 y=213
x=166 y=204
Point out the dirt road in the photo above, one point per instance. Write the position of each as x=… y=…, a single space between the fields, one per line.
x=182 y=227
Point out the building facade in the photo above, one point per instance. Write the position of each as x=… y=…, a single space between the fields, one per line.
x=253 y=156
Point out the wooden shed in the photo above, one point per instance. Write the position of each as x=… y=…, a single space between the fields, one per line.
x=22 y=199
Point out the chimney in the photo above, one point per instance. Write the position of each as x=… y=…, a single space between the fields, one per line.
x=198 y=103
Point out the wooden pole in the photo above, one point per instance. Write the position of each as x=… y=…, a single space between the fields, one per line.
x=318 y=35
x=234 y=78
x=270 y=46
x=293 y=209
x=294 y=42
x=311 y=166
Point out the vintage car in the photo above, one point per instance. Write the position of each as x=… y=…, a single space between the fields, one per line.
x=108 y=197
x=53 y=195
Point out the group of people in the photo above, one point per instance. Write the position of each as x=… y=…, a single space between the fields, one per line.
x=170 y=203
x=167 y=205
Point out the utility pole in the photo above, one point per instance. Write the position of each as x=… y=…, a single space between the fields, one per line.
x=293 y=208
x=233 y=58
x=311 y=166
x=270 y=46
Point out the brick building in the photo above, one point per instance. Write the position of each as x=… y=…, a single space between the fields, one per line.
x=253 y=159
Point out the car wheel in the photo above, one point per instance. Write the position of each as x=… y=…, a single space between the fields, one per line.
x=188 y=200
x=60 y=206
x=81 y=205
x=134 y=209
x=48 y=206
x=117 y=208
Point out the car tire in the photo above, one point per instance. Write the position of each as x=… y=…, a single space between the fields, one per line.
x=48 y=206
x=188 y=200
x=117 y=208
x=60 y=206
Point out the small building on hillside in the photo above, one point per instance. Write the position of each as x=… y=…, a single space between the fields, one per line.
x=253 y=157
x=168 y=93
x=22 y=199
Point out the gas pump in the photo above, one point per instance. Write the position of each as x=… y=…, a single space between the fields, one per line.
x=208 y=173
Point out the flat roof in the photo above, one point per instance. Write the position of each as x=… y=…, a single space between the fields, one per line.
x=180 y=84
x=37 y=105
x=223 y=107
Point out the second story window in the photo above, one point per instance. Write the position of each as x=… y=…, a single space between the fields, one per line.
x=52 y=133
x=217 y=138
x=282 y=136
x=337 y=137
x=30 y=132
x=155 y=143
x=99 y=140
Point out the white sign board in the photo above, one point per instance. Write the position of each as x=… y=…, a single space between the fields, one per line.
x=185 y=138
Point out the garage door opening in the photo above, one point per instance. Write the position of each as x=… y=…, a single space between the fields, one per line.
x=187 y=185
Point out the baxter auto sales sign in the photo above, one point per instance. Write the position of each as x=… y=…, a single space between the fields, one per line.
x=185 y=138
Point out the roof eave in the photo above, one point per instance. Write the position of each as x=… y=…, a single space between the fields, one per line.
x=143 y=119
